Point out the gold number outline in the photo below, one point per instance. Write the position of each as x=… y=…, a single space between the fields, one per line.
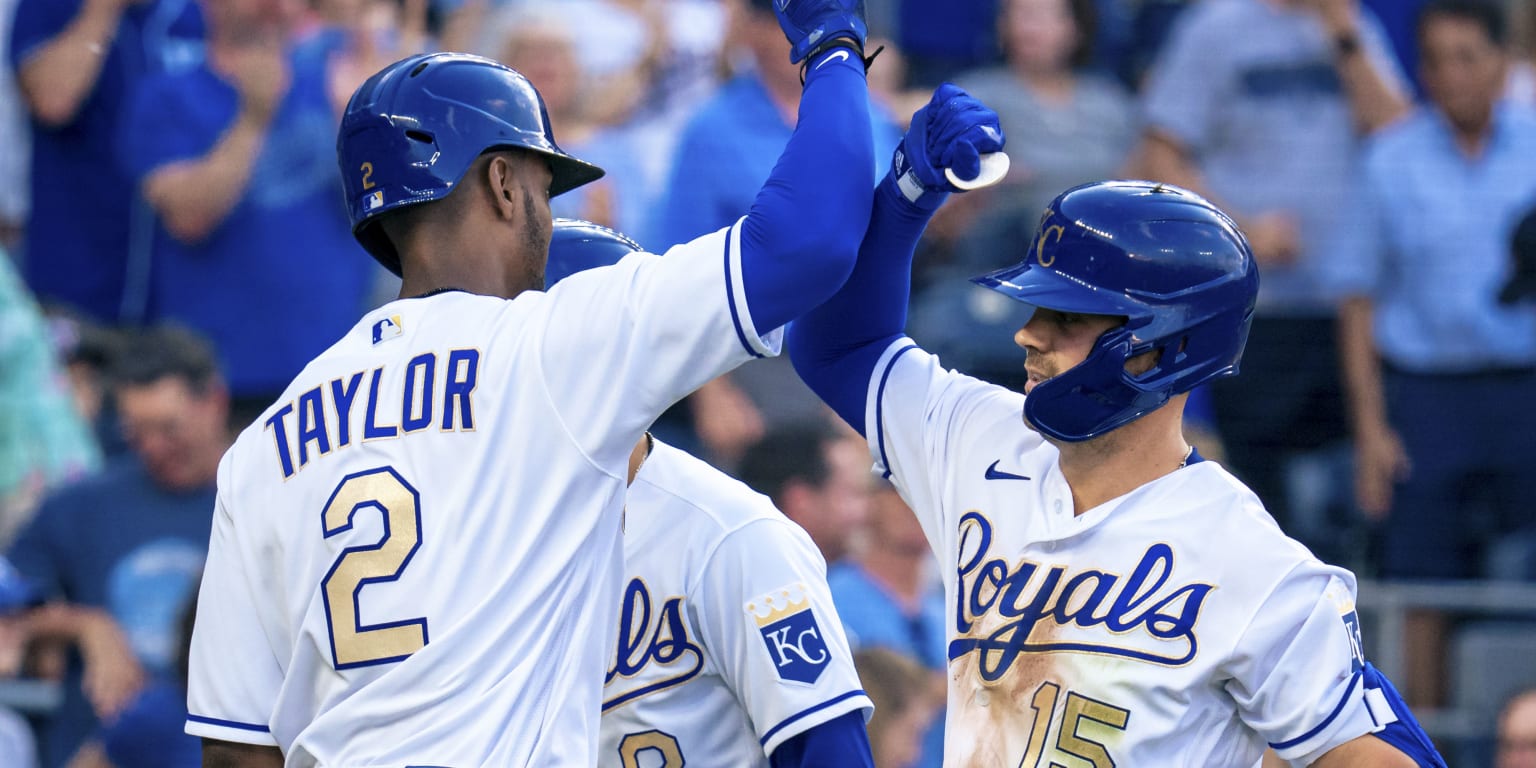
x=356 y=645
x=367 y=169
x=665 y=743
x=1078 y=708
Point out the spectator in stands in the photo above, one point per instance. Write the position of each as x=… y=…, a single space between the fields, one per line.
x=724 y=155
x=907 y=703
x=1065 y=126
x=1259 y=105
x=1517 y=731
x=1429 y=347
x=540 y=42
x=119 y=553
x=1439 y=373
x=44 y=442
x=886 y=592
x=76 y=62
x=237 y=158
x=818 y=477
x=888 y=596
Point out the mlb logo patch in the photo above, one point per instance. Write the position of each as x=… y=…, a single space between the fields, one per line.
x=794 y=641
x=374 y=200
x=388 y=328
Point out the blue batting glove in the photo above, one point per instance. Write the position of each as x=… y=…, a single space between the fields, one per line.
x=953 y=130
x=811 y=24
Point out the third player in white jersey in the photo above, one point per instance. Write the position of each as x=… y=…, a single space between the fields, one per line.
x=728 y=642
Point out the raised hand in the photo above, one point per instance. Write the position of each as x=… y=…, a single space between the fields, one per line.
x=811 y=25
x=952 y=132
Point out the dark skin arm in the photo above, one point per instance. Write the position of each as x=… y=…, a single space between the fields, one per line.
x=1364 y=752
x=226 y=754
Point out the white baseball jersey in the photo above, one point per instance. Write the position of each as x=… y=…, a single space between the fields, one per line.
x=728 y=644
x=1173 y=626
x=415 y=556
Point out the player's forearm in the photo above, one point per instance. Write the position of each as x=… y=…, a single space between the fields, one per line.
x=224 y=754
x=835 y=346
x=193 y=197
x=1373 y=100
x=1365 y=752
x=799 y=241
x=57 y=78
x=1362 y=366
x=61 y=622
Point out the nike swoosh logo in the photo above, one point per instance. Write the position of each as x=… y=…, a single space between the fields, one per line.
x=993 y=473
x=837 y=54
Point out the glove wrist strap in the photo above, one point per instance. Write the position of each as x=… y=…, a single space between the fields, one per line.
x=849 y=43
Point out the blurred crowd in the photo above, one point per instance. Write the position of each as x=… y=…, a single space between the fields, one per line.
x=176 y=248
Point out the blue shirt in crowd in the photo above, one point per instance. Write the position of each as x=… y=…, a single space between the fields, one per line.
x=1440 y=225
x=118 y=542
x=280 y=279
x=81 y=248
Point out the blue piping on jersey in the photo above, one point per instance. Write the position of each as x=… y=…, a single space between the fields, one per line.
x=807 y=712
x=1353 y=681
x=880 y=407
x=730 y=297
x=228 y=723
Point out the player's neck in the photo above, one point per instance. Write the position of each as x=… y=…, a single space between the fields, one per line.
x=489 y=275
x=1127 y=458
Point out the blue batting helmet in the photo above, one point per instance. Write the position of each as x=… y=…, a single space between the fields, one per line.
x=413 y=129
x=1167 y=260
x=577 y=245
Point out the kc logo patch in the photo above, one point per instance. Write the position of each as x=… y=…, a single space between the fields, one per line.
x=794 y=640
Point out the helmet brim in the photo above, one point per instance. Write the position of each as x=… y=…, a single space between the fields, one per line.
x=1043 y=287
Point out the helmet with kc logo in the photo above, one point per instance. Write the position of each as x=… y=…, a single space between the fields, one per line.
x=1174 y=266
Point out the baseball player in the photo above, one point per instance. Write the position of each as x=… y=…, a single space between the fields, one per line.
x=729 y=649
x=415 y=557
x=1115 y=599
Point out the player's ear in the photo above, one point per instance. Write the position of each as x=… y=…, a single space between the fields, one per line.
x=499 y=180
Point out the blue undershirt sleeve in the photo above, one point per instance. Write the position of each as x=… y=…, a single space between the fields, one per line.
x=802 y=234
x=835 y=346
x=840 y=742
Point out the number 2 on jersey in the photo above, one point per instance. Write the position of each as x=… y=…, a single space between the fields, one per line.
x=1078 y=709
x=352 y=644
